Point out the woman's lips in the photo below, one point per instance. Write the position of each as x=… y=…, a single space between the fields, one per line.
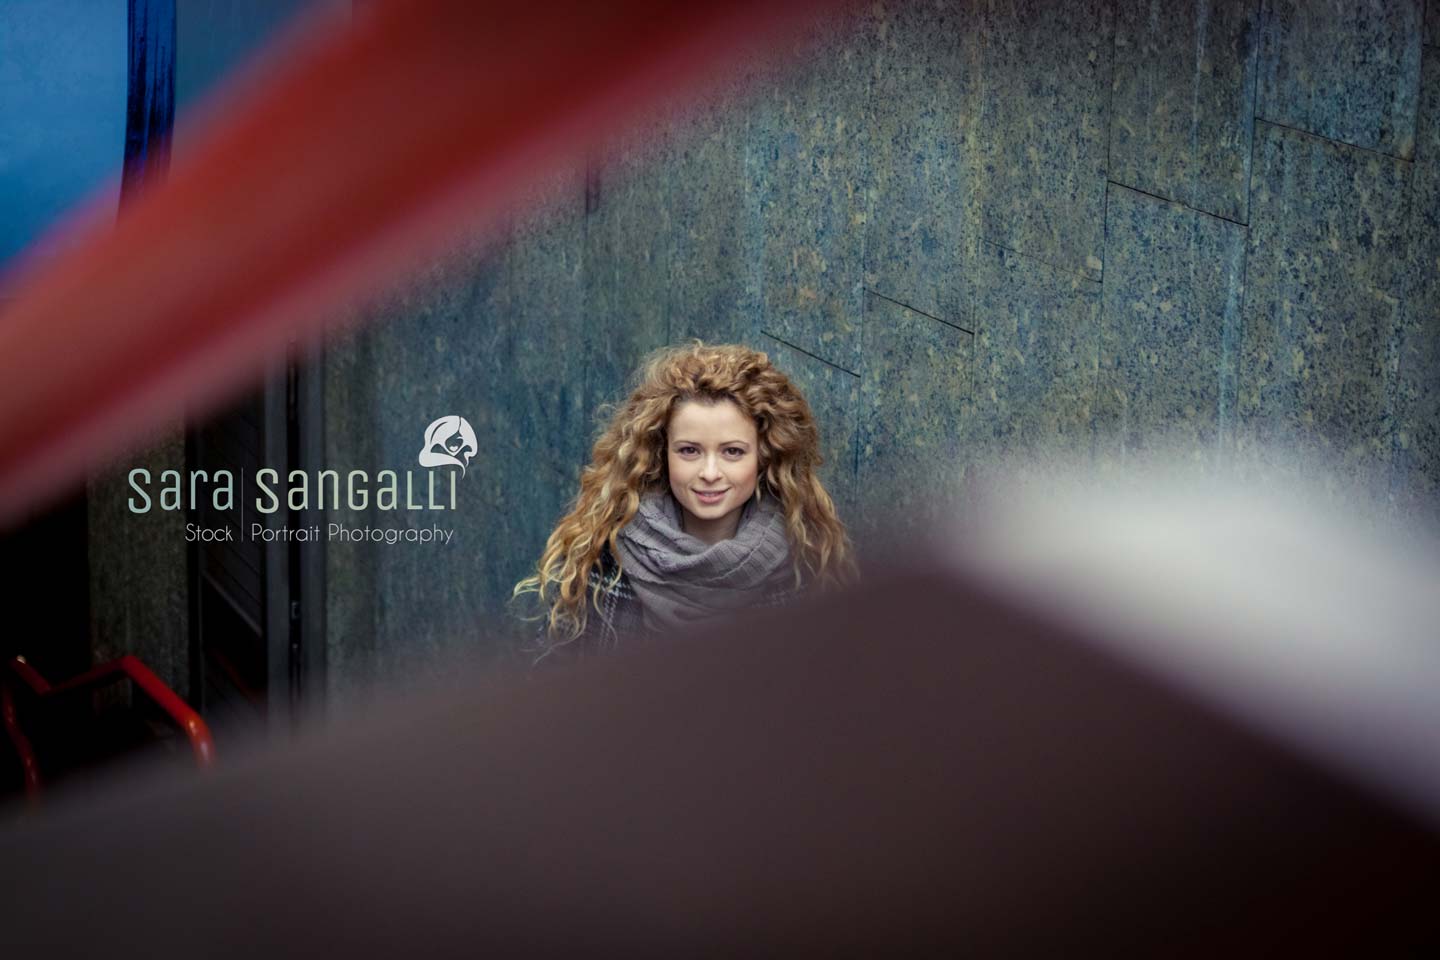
x=714 y=496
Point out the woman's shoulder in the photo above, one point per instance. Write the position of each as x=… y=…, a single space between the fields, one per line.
x=603 y=574
x=610 y=608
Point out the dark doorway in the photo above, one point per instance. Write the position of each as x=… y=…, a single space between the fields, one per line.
x=257 y=599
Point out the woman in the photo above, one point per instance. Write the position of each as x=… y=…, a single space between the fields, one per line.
x=701 y=498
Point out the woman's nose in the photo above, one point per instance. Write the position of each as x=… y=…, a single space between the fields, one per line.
x=711 y=469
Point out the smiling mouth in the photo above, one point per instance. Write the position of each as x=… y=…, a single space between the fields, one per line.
x=710 y=496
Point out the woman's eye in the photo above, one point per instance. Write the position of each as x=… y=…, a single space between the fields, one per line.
x=735 y=452
x=686 y=451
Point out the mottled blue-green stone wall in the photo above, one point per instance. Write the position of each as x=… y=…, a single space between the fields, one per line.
x=972 y=231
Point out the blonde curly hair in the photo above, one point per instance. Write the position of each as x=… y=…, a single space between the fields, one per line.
x=629 y=459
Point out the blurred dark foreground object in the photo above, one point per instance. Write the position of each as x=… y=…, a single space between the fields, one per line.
x=915 y=766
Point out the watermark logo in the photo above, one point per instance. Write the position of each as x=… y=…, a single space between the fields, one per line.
x=449 y=441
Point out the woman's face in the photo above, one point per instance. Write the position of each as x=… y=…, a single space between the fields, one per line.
x=714 y=461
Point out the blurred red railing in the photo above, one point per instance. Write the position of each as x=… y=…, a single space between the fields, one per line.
x=142 y=678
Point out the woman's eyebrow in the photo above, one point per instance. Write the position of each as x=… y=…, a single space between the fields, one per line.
x=724 y=443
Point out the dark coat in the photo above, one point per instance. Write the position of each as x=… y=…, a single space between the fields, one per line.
x=619 y=615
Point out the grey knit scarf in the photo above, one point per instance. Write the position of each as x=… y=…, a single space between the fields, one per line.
x=681 y=579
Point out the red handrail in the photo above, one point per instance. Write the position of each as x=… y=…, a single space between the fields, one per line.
x=180 y=712
x=23 y=750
